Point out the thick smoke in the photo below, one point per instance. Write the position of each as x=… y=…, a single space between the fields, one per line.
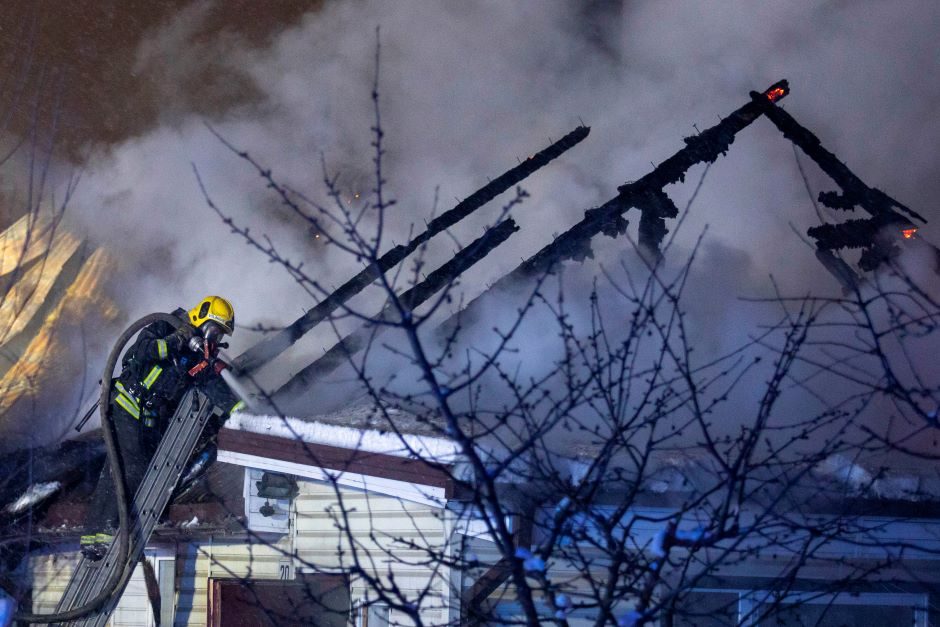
x=469 y=88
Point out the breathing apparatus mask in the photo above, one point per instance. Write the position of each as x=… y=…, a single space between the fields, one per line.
x=213 y=333
x=208 y=344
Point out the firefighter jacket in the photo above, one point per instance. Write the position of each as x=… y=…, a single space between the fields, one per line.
x=155 y=376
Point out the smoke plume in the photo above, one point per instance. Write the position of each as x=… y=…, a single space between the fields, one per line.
x=467 y=89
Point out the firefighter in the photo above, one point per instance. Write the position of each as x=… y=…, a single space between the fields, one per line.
x=160 y=367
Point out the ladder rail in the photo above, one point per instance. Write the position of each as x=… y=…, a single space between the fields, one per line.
x=152 y=497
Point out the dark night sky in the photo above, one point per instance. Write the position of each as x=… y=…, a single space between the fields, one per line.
x=91 y=45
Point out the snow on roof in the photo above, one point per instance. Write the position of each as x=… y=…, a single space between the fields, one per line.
x=860 y=481
x=353 y=438
x=366 y=413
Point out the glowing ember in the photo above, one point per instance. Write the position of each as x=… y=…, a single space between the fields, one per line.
x=908 y=233
x=776 y=94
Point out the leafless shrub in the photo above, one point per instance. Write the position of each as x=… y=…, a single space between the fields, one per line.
x=614 y=484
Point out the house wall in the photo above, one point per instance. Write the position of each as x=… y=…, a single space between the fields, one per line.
x=252 y=558
x=50 y=573
x=392 y=536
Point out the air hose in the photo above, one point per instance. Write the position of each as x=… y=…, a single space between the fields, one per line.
x=117 y=472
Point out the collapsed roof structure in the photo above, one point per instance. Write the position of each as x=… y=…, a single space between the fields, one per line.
x=350 y=452
x=878 y=237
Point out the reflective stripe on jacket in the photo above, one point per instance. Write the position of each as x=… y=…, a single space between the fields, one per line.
x=130 y=403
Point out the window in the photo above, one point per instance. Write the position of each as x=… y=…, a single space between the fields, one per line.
x=268 y=503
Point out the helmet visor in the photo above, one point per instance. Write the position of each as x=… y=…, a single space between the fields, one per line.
x=213 y=331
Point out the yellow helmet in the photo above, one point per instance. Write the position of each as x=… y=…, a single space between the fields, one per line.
x=216 y=309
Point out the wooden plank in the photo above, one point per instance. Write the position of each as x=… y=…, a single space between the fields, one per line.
x=338 y=458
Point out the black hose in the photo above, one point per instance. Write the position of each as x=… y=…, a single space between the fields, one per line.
x=117 y=471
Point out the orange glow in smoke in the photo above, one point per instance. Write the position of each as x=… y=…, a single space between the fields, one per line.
x=908 y=233
x=776 y=94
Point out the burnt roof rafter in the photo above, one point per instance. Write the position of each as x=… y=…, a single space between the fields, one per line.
x=647 y=195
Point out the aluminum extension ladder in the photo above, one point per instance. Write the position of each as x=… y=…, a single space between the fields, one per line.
x=151 y=499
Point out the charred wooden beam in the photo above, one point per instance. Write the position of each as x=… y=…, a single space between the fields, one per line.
x=269 y=348
x=704 y=147
x=575 y=243
x=654 y=208
x=652 y=231
x=841 y=202
x=412 y=298
x=352 y=460
x=876 y=236
x=857 y=233
x=855 y=191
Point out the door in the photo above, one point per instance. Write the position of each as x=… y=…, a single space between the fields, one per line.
x=309 y=600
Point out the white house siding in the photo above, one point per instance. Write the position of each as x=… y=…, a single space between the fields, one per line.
x=50 y=573
x=134 y=609
x=255 y=558
x=383 y=526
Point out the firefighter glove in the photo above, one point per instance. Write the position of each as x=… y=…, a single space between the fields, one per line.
x=180 y=339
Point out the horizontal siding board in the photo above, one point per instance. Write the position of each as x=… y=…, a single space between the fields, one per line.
x=381 y=525
x=51 y=574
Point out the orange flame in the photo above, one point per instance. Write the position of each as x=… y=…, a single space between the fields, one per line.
x=776 y=94
x=908 y=233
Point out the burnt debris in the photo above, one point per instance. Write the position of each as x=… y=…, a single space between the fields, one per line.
x=878 y=236
x=266 y=350
x=646 y=194
x=445 y=275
